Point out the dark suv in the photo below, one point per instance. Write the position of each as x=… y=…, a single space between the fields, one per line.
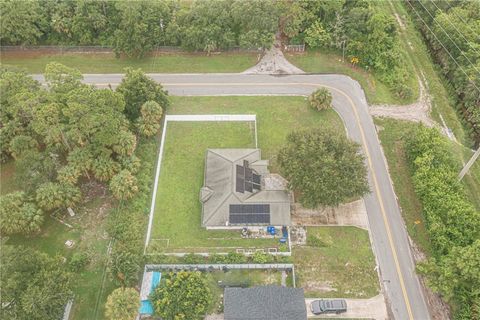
x=328 y=306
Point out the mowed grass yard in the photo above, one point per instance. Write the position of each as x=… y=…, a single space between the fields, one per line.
x=107 y=62
x=337 y=262
x=177 y=210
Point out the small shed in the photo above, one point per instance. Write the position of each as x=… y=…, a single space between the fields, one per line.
x=151 y=280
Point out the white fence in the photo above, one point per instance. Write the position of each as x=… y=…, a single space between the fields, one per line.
x=200 y=117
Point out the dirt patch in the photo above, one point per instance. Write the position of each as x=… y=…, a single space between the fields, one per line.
x=298 y=235
x=349 y=214
x=419 y=111
x=318 y=286
x=274 y=62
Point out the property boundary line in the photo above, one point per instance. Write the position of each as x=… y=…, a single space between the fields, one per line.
x=188 y=118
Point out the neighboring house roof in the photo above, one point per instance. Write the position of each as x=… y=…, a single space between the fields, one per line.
x=264 y=303
x=224 y=190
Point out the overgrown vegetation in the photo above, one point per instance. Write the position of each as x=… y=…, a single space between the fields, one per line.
x=361 y=30
x=452 y=221
x=136 y=27
x=67 y=138
x=451 y=29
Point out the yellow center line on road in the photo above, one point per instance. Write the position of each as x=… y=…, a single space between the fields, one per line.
x=368 y=156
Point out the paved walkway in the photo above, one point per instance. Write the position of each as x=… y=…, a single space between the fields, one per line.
x=373 y=308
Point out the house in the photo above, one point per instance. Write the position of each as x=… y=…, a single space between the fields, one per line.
x=239 y=191
x=264 y=303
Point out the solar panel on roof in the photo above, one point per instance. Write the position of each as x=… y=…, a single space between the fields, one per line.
x=246 y=176
x=249 y=208
x=240 y=185
x=250 y=218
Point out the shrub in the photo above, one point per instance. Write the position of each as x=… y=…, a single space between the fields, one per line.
x=320 y=99
x=79 y=260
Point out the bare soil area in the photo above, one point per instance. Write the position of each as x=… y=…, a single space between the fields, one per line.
x=348 y=214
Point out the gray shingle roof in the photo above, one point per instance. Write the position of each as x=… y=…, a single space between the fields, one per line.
x=264 y=303
x=219 y=190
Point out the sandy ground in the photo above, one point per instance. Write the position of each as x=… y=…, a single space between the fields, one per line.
x=274 y=62
x=373 y=308
x=348 y=214
x=419 y=111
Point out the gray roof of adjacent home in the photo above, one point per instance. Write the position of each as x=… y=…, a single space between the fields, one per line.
x=264 y=303
x=219 y=190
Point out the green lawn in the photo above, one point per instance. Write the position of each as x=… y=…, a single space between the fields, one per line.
x=178 y=211
x=337 y=262
x=162 y=63
x=276 y=117
x=316 y=61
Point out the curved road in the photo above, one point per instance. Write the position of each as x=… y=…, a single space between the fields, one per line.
x=389 y=236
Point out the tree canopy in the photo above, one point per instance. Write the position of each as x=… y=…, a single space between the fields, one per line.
x=324 y=167
x=34 y=285
x=185 y=295
x=122 y=304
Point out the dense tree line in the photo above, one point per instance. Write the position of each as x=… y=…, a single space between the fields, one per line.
x=68 y=134
x=136 y=27
x=366 y=34
x=452 y=32
x=452 y=222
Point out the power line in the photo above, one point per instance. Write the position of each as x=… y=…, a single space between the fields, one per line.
x=459 y=66
x=460 y=17
x=453 y=25
x=444 y=31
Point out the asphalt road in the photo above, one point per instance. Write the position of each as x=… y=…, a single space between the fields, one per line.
x=389 y=236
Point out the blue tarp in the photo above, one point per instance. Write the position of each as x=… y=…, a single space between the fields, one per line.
x=146 y=306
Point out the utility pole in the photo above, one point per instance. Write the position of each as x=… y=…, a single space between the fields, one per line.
x=343 y=51
x=469 y=164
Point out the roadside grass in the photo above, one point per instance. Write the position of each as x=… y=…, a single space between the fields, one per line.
x=337 y=262
x=442 y=103
x=107 y=63
x=391 y=134
x=325 y=61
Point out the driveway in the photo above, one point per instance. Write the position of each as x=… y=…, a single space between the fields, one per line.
x=373 y=308
x=389 y=236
